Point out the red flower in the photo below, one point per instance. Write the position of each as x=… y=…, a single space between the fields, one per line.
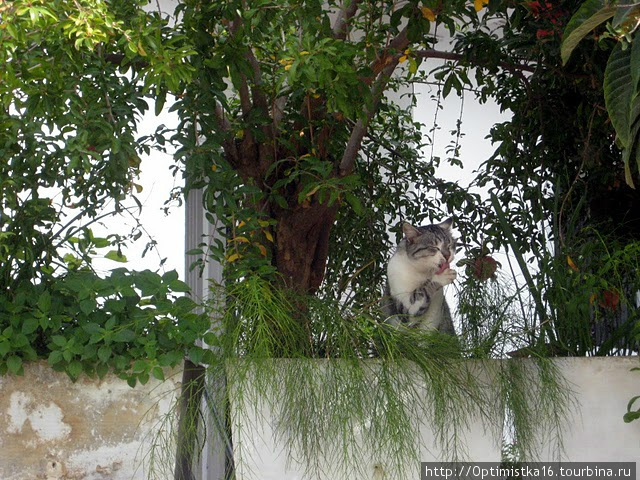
x=542 y=33
x=484 y=268
x=536 y=8
x=609 y=300
x=547 y=13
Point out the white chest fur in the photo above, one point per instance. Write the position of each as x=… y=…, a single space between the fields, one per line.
x=404 y=277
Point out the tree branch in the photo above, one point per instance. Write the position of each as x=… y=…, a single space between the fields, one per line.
x=458 y=57
x=392 y=53
x=347 y=12
x=383 y=67
x=359 y=131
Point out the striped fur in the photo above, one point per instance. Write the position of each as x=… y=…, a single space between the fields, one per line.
x=416 y=274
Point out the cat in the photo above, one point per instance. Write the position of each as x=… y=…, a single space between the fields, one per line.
x=416 y=275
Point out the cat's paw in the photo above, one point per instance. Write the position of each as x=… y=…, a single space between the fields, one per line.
x=446 y=277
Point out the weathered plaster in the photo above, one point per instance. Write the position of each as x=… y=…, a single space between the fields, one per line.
x=53 y=429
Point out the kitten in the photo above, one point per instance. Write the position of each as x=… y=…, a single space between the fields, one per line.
x=416 y=273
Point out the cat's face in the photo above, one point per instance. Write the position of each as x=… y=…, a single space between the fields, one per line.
x=431 y=248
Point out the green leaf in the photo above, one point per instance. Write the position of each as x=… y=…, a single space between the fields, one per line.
x=102 y=369
x=631 y=416
x=355 y=203
x=67 y=355
x=87 y=306
x=631 y=402
x=158 y=373
x=30 y=325
x=14 y=363
x=140 y=366
x=170 y=359
x=624 y=12
x=116 y=256
x=148 y=282
x=44 y=302
x=618 y=89
x=143 y=378
x=623 y=105
x=104 y=353
x=208 y=358
x=55 y=357
x=635 y=62
x=170 y=276
x=101 y=242
x=59 y=340
x=74 y=369
x=5 y=347
x=184 y=304
x=210 y=338
x=413 y=66
x=590 y=14
x=179 y=286
x=161 y=98
x=124 y=335
x=19 y=340
x=111 y=323
x=92 y=328
x=196 y=354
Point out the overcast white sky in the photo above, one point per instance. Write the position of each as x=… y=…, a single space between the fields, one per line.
x=157 y=182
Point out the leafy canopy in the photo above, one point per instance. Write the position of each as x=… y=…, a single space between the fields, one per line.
x=75 y=79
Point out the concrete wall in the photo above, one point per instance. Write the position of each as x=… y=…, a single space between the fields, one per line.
x=593 y=431
x=260 y=453
x=53 y=429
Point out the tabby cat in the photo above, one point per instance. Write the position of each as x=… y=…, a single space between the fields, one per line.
x=416 y=273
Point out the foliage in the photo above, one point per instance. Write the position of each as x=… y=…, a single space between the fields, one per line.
x=557 y=177
x=293 y=138
x=621 y=77
x=631 y=414
x=74 y=81
x=598 y=292
x=129 y=323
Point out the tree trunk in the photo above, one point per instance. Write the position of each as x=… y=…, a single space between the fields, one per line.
x=302 y=244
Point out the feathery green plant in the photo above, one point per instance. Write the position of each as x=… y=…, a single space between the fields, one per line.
x=340 y=387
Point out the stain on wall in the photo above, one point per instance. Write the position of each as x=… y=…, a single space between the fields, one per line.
x=54 y=429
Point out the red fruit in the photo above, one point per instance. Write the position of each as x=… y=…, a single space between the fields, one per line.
x=484 y=268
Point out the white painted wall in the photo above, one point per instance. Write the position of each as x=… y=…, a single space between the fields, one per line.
x=260 y=452
x=593 y=431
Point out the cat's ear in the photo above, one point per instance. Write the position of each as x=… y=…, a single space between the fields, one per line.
x=410 y=232
x=446 y=225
